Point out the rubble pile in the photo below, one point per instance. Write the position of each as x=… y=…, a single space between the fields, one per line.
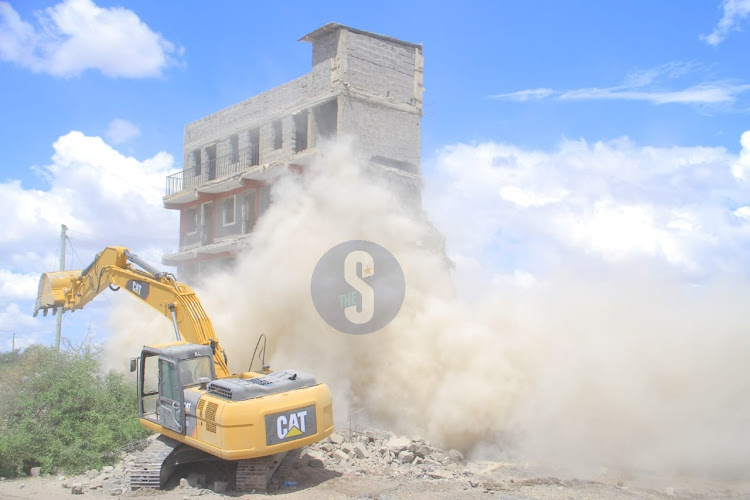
x=385 y=453
x=360 y=453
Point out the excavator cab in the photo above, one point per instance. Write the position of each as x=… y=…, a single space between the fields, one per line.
x=171 y=379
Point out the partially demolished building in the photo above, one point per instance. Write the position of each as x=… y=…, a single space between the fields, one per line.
x=361 y=84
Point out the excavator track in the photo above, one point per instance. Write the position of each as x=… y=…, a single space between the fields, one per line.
x=285 y=468
x=151 y=470
x=265 y=473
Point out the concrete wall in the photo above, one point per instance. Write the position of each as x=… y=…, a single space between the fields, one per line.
x=380 y=67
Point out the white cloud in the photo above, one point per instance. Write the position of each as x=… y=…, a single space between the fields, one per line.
x=741 y=167
x=120 y=131
x=735 y=11
x=601 y=202
x=525 y=198
x=104 y=197
x=76 y=35
x=645 y=85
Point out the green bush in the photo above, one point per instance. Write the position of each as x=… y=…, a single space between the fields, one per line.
x=58 y=410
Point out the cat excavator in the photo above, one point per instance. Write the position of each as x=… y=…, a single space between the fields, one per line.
x=246 y=424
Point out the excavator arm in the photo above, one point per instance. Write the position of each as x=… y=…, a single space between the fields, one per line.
x=114 y=268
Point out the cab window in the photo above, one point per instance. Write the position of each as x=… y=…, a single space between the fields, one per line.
x=193 y=369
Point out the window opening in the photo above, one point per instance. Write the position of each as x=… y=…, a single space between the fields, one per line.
x=277 y=137
x=300 y=131
x=229 y=211
x=191 y=220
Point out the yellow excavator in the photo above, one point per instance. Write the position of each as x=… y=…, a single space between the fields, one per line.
x=243 y=423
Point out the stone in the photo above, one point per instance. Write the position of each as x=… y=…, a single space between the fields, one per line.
x=118 y=491
x=340 y=455
x=184 y=483
x=398 y=444
x=347 y=447
x=420 y=450
x=196 y=479
x=316 y=459
x=76 y=489
x=36 y=471
x=108 y=469
x=360 y=451
x=455 y=456
x=336 y=438
x=406 y=457
x=440 y=474
x=220 y=486
x=440 y=457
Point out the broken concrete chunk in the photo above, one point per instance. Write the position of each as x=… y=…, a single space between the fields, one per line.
x=336 y=438
x=406 y=457
x=440 y=474
x=455 y=456
x=398 y=444
x=360 y=451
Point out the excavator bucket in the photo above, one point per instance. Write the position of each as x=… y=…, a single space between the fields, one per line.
x=52 y=288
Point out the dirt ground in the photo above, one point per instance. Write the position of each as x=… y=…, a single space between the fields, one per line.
x=480 y=480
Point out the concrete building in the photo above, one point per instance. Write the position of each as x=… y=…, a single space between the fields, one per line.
x=361 y=83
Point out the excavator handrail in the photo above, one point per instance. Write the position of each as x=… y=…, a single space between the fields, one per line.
x=71 y=290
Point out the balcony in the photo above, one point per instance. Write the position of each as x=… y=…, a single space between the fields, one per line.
x=223 y=167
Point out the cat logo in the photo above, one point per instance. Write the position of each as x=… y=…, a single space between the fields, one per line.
x=139 y=288
x=290 y=425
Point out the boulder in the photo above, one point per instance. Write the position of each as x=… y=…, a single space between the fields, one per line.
x=76 y=489
x=406 y=457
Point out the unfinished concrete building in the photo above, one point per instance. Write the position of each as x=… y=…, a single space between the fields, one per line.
x=361 y=83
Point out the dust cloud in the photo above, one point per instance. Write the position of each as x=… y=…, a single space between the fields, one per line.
x=622 y=366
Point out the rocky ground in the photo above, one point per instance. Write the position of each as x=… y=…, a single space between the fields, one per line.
x=372 y=465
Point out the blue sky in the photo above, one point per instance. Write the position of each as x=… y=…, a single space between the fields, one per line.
x=555 y=89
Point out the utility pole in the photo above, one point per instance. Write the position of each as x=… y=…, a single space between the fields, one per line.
x=63 y=234
x=13 y=345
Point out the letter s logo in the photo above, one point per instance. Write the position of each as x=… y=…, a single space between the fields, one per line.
x=365 y=290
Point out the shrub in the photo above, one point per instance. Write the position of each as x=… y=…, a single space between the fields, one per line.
x=58 y=410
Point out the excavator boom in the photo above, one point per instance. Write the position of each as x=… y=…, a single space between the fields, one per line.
x=114 y=268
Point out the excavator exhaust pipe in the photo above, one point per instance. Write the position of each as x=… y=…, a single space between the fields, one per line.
x=52 y=289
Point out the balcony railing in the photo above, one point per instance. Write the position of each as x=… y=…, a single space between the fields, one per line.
x=220 y=168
